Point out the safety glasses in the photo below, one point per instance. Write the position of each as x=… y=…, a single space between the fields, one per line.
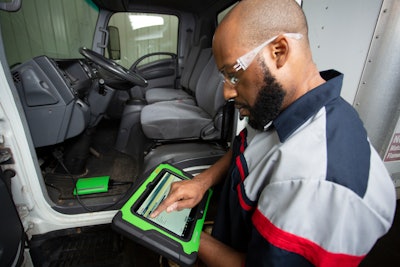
x=243 y=62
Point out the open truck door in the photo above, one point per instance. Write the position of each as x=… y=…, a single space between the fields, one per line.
x=11 y=230
x=12 y=235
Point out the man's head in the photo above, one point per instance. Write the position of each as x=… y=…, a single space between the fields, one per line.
x=261 y=47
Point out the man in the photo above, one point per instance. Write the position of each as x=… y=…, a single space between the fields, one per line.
x=307 y=189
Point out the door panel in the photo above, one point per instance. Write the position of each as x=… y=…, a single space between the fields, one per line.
x=160 y=72
x=11 y=230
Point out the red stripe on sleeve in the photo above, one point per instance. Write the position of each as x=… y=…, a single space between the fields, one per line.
x=239 y=166
x=242 y=140
x=299 y=245
x=243 y=204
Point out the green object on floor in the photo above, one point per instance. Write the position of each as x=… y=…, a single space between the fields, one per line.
x=91 y=185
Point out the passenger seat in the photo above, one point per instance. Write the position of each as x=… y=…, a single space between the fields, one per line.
x=154 y=95
x=179 y=120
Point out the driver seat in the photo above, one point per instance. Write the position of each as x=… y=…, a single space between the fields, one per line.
x=174 y=120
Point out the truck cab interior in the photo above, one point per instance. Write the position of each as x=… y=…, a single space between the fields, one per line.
x=99 y=88
x=110 y=112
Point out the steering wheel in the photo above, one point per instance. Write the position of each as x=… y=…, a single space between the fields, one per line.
x=113 y=67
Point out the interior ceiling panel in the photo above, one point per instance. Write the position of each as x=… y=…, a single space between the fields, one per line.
x=195 y=6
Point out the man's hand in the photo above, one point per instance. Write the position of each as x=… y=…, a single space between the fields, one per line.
x=183 y=194
x=189 y=193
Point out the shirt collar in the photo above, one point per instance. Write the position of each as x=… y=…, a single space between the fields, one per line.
x=309 y=104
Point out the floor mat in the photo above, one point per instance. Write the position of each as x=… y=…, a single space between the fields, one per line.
x=118 y=166
x=104 y=160
x=90 y=247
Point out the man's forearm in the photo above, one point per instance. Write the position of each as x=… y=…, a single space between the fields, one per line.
x=216 y=172
x=213 y=253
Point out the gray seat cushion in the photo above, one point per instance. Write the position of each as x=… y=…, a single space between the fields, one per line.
x=168 y=94
x=166 y=121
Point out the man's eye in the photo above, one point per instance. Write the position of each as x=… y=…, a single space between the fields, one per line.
x=233 y=79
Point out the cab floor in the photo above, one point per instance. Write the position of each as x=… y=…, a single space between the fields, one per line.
x=90 y=247
x=100 y=246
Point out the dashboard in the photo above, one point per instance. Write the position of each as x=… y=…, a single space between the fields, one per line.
x=53 y=93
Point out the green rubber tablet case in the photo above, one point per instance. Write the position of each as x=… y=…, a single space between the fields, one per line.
x=181 y=249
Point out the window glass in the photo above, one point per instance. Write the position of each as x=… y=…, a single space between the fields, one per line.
x=142 y=34
x=56 y=28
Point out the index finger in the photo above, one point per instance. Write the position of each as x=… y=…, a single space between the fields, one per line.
x=166 y=204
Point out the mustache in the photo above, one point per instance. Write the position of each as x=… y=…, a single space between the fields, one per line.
x=240 y=105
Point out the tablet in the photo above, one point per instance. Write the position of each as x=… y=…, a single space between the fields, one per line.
x=179 y=222
x=175 y=235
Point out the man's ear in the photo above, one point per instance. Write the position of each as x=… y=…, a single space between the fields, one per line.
x=280 y=51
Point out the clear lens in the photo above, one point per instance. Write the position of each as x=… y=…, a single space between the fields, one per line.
x=229 y=78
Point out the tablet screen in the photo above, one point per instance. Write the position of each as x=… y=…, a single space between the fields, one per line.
x=177 y=221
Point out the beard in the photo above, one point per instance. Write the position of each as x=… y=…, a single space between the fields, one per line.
x=268 y=103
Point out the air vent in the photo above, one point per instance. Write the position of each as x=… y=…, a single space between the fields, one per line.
x=16 y=77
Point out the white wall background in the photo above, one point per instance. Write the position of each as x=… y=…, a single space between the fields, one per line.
x=340 y=34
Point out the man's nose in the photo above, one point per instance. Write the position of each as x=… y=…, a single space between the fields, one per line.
x=229 y=91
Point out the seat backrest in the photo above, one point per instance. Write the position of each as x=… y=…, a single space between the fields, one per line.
x=202 y=61
x=191 y=61
x=209 y=89
x=210 y=97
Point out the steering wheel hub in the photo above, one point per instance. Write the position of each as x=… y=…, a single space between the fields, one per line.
x=113 y=67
